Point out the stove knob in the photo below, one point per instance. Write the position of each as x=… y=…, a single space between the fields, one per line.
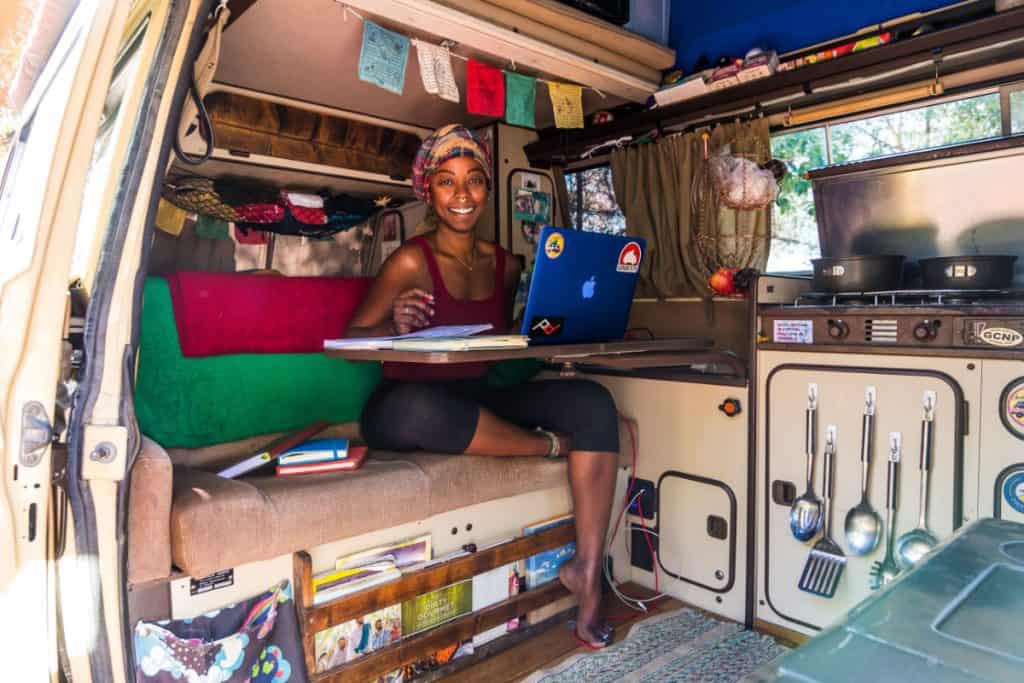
x=837 y=329
x=926 y=330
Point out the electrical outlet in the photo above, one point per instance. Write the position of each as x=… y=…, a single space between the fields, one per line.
x=642 y=505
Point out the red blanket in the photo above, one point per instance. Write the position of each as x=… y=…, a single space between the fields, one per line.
x=222 y=313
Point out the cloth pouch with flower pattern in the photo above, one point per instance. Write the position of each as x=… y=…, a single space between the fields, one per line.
x=256 y=640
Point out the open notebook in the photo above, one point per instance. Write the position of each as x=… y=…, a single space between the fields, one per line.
x=439 y=332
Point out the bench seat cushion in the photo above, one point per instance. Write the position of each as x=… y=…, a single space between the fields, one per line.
x=220 y=523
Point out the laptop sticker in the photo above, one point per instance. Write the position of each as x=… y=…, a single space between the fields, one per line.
x=629 y=258
x=546 y=327
x=554 y=245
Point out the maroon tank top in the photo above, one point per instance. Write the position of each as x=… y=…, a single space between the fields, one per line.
x=451 y=311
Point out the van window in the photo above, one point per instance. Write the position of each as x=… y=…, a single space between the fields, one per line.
x=28 y=164
x=794 y=228
x=1017 y=111
x=592 y=205
x=101 y=165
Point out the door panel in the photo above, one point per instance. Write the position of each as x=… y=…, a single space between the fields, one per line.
x=841 y=403
x=39 y=205
x=697 y=530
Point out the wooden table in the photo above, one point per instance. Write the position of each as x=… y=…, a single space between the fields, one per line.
x=623 y=355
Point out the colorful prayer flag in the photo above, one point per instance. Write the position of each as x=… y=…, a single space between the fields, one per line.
x=436 y=71
x=382 y=58
x=485 y=89
x=567 y=101
x=520 y=95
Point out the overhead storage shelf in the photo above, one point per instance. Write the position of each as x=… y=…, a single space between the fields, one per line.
x=503 y=45
x=277 y=139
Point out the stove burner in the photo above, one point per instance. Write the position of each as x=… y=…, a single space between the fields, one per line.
x=910 y=297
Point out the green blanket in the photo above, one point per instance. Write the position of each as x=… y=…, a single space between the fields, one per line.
x=195 y=402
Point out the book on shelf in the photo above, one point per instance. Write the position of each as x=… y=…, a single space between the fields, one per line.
x=543 y=567
x=401 y=554
x=490 y=588
x=353 y=461
x=266 y=456
x=361 y=582
x=437 y=607
x=349 y=640
x=480 y=343
x=376 y=343
x=317 y=450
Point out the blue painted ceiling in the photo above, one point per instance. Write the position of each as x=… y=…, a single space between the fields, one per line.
x=731 y=27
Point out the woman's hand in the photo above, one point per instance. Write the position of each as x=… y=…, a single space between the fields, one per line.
x=412 y=310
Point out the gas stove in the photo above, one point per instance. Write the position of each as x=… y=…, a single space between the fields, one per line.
x=942 y=319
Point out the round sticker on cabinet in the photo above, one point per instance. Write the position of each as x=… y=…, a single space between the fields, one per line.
x=554 y=245
x=1012 y=408
x=629 y=258
x=1013 y=491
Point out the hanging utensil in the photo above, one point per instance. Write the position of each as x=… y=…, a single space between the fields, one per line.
x=805 y=515
x=916 y=543
x=826 y=562
x=863 y=525
x=887 y=570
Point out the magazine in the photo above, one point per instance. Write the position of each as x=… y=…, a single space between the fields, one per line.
x=352 y=639
x=490 y=588
x=401 y=554
x=437 y=607
x=543 y=567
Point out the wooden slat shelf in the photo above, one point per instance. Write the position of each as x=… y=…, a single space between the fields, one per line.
x=315 y=618
x=410 y=649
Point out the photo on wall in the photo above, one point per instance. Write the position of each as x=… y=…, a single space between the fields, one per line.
x=532 y=206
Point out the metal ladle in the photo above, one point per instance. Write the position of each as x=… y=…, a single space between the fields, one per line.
x=863 y=525
x=887 y=570
x=916 y=543
x=805 y=515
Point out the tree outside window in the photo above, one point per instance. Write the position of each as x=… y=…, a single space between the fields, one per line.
x=794 y=226
x=592 y=205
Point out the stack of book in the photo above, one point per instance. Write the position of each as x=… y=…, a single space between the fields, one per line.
x=320 y=455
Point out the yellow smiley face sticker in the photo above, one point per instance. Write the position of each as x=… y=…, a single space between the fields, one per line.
x=554 y=245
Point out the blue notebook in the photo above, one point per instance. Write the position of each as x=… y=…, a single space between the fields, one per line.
x=317 y=450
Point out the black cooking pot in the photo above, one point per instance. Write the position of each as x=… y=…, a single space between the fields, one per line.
x=968 y=272
x=858 y=273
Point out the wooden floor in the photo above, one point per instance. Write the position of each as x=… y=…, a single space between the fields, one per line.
x=555 y=644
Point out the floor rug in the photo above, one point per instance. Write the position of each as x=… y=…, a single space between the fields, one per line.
x=684 y=645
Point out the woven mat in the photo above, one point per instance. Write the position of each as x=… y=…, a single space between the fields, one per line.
x=684 y=645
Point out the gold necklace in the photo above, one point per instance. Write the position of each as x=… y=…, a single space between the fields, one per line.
x=468 y=266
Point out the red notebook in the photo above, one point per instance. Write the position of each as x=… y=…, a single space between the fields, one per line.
x=356 y=455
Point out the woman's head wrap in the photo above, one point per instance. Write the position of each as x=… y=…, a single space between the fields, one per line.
x=447 y=142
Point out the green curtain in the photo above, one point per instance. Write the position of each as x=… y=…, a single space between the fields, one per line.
x=665 y=194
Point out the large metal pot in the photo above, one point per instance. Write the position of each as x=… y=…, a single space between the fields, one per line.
x=968 y=272
x=858 y=273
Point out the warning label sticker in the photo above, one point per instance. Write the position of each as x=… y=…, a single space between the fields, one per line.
x=793 y=332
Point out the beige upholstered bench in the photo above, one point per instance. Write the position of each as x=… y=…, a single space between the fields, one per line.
x=183 y=515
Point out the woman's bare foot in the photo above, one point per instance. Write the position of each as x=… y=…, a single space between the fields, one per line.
x=586 y=587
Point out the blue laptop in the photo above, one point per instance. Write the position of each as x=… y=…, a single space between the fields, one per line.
x=582 y=286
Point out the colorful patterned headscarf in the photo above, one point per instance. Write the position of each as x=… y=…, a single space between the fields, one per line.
x=447 y=142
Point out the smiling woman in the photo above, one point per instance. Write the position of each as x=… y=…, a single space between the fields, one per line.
x=451 y=277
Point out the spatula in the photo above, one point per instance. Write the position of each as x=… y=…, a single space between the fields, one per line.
x=826 y=562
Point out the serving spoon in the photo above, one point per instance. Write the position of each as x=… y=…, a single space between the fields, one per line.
x=887 y=570
x=805 y=515
x=916 y=543
x=863 y=525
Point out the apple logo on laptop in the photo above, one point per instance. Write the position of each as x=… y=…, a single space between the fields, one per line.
x=588 y=287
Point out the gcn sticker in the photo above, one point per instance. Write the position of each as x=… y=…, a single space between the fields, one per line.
x=554 y=245
x=629 y=258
